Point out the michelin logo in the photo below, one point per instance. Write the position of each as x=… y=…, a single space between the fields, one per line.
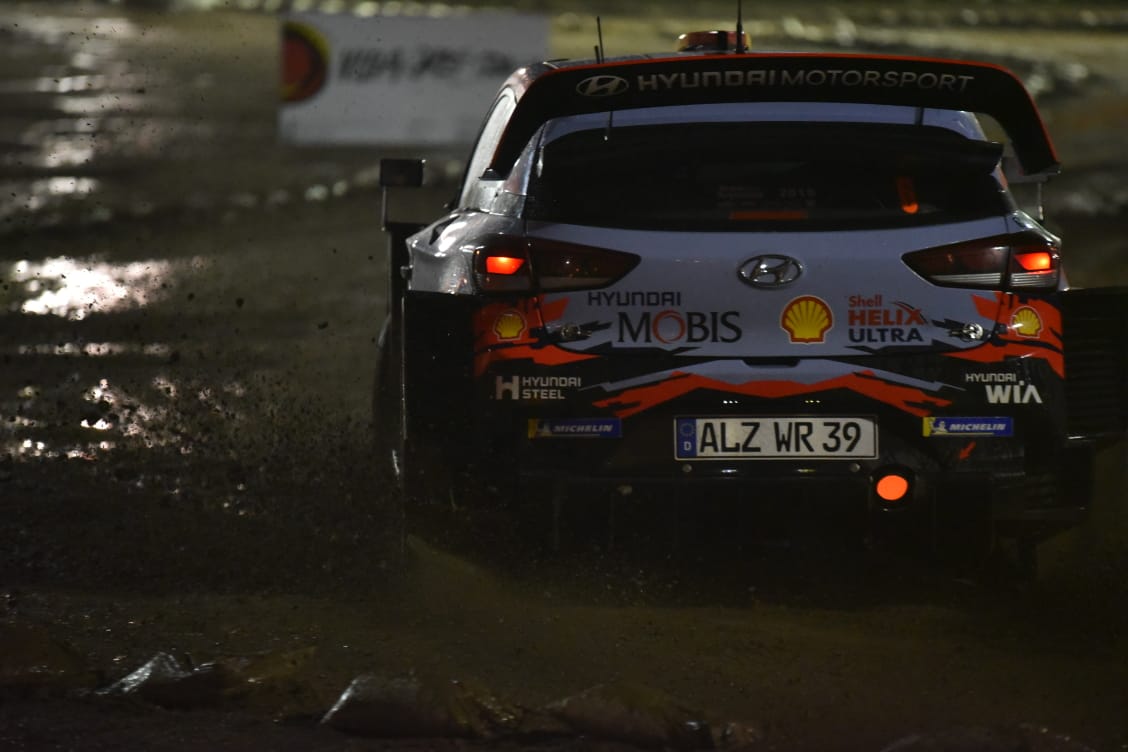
x=576 y=428
x=1001 y=426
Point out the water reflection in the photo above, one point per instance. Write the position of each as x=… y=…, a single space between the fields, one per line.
x=66 y=186
x=30 y=448
x=97 y=349
x=99 y=104
x=90 y=34
x=83 y=70
x=68 y=412
x=75 y=288
x=68 y=84
x=160 y=412
x=66 y=153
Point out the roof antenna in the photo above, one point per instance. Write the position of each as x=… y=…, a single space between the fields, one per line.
x=740 y=28
x=599 y=59
x=599 y=47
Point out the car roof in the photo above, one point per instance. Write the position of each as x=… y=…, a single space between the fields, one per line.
x=554 y=89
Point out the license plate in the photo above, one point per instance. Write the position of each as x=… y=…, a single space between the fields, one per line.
x=774 y=438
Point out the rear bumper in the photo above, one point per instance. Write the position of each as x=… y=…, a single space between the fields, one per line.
x=601 y=438
x=479 y=410
x=1013 y=477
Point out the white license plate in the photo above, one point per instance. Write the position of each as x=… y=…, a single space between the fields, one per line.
x=814 y=437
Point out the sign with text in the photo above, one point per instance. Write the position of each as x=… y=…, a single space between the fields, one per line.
x=399 y=80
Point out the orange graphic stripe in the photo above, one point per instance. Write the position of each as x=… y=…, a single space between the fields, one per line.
x=542 y=356
x=553 y=311
x=1009 y=351
x=911 y=400
x=490 y=348
x=988 y=308
x=1010 y=345
x=967 y=450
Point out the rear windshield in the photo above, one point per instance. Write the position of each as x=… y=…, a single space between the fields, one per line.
x=778 y=176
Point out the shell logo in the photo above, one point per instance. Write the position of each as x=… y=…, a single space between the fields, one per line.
x=807 y=320
x=1025 y=322
x=509 y=324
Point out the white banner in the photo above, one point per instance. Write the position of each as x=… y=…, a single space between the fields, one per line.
x=399 y=80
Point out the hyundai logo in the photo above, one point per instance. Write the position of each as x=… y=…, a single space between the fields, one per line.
x=602 y=86
x=770 y=271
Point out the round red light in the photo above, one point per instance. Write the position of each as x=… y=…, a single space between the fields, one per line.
x=892 y=487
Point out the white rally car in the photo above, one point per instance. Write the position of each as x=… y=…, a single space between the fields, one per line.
x=777 y=274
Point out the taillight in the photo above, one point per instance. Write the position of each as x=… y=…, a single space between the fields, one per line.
x=508 y=263
x=1023 y=260
x=504 y=264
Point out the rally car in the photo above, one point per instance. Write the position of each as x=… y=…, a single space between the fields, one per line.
x=770 y=272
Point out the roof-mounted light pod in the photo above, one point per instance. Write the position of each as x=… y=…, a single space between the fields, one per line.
x=711 y=41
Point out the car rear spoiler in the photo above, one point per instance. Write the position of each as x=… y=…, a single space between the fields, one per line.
x=793 y=77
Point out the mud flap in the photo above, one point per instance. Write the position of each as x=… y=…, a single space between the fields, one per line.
x=385 y=402
x=1095 y=333
x=437 y=379
x=423 y=374
x=386 y=407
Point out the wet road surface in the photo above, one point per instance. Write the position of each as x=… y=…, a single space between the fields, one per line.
x=187 y=347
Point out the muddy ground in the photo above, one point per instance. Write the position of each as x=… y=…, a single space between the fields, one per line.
x=186 y=353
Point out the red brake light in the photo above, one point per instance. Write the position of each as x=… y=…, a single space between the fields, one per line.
x=499 y=263
x=503 y=264
x=1038 y=261
x=1024 y=260
x=553 y=265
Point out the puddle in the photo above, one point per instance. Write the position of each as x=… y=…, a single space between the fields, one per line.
x=75 y=288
